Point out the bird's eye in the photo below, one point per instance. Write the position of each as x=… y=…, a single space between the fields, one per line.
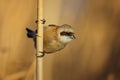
x=66 y=33
x=63 y=33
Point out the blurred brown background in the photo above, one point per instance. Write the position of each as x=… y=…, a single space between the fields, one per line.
x=94 y=55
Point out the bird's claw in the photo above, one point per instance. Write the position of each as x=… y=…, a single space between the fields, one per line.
x=43 y=54
x=43 y=21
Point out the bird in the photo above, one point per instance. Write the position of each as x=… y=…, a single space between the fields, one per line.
x=55 y=37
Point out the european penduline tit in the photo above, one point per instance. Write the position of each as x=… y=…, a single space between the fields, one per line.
x=55 y=37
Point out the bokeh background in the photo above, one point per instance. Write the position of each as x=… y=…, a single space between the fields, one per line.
x=94 y=55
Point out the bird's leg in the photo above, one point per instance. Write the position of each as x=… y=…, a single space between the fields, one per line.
x=43 y=53
x=43 y=22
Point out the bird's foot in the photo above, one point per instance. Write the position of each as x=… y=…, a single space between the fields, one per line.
x=43 y=21
x=42 y=54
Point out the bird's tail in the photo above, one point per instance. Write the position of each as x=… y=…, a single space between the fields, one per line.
x=30 y=33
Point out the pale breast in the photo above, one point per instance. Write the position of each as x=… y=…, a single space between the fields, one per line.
x=53 y=46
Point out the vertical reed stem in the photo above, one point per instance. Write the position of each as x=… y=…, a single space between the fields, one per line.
x=39 y=61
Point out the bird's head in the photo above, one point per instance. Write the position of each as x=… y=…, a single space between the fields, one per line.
x=65 y=33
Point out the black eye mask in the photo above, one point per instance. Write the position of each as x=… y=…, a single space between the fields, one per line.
x=66 y=33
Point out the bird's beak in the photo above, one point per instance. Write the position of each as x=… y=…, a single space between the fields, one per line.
x=73 y=37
